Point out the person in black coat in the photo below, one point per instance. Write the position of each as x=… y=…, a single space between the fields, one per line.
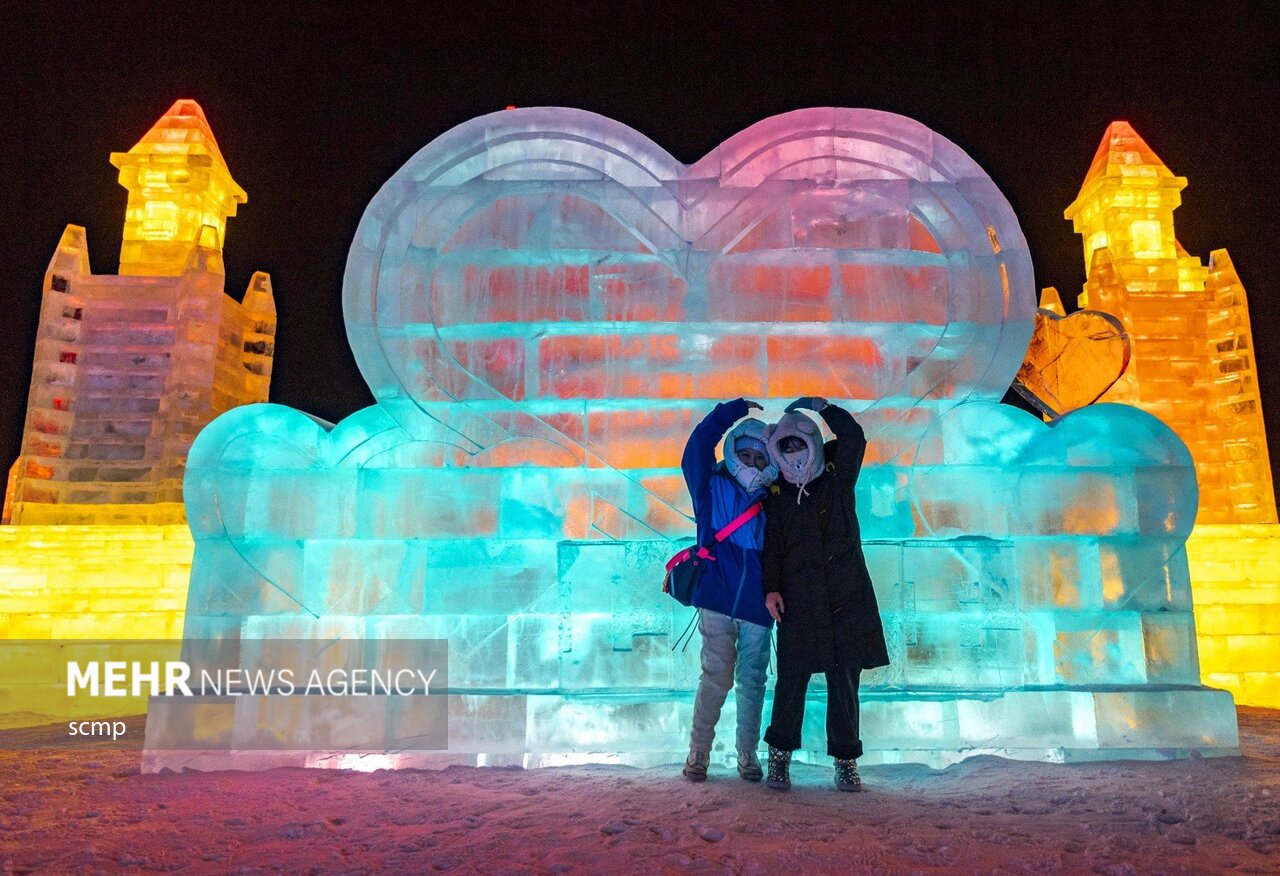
x=817 y=586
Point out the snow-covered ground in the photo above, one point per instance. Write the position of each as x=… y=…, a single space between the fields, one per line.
x=91 y=811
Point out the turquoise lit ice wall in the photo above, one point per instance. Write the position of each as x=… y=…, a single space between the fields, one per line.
x=544 y=303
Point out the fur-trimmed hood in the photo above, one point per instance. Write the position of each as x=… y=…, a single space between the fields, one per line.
x=749 y=428
x=797 y=471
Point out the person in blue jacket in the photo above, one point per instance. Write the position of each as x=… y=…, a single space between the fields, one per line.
x=732 y=618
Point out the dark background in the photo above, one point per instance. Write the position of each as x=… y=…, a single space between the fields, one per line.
x=315 y=109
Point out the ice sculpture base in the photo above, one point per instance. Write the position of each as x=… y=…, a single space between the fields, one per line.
x=1057 y=725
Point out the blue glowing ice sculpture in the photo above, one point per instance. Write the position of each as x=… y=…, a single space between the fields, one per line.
x=544 y=304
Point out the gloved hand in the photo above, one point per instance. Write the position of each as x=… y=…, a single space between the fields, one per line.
x=814 y=403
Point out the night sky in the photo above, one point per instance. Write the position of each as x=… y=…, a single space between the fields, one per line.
x=315 y=110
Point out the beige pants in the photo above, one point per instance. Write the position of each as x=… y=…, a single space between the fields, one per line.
x=735 y=654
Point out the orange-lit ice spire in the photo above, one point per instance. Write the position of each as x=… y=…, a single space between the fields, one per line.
x=180 y=193
x=1192 y=362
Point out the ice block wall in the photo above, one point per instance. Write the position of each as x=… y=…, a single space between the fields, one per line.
x=93 y=582
x=129 y=367
x=64 y=587
x=544 y=303
x=1235 y=576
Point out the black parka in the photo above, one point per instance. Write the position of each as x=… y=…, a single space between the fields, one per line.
x=813 y=557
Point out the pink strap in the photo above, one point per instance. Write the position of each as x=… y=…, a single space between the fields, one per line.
x=738 y=521
x=729 y=529
x=685 y=554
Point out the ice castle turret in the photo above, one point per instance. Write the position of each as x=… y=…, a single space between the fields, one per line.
x=129 y=367
x=179 y=186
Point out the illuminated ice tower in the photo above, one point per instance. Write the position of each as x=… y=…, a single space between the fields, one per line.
x=129 y=368
x=1193 y=363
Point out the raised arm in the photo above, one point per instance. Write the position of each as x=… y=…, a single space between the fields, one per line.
x=699 y=458
x=851 y=441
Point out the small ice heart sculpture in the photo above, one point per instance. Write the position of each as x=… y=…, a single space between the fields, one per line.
x=1072 y=360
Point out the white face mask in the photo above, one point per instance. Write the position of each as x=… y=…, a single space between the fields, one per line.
x=750 y=477
x=796 y=460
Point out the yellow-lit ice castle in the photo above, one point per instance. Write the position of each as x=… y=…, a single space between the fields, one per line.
x=129 y=368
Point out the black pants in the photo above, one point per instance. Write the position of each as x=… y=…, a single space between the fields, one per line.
x=842 y=713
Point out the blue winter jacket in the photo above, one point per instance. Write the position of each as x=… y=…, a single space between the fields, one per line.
x=731 y=584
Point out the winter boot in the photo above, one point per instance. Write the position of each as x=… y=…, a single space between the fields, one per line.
x=779 y=769
x=847 y=778
x=749 y=766
x=695 y=766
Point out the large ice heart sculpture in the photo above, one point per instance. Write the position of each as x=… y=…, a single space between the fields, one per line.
x=1072 y=360
x=566 y=278
x=543 y=303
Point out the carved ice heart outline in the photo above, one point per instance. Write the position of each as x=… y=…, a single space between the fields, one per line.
x=1030 y=383
x=696 y=211
x=258 y=438
x=1105 y=437
x=720 y=196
